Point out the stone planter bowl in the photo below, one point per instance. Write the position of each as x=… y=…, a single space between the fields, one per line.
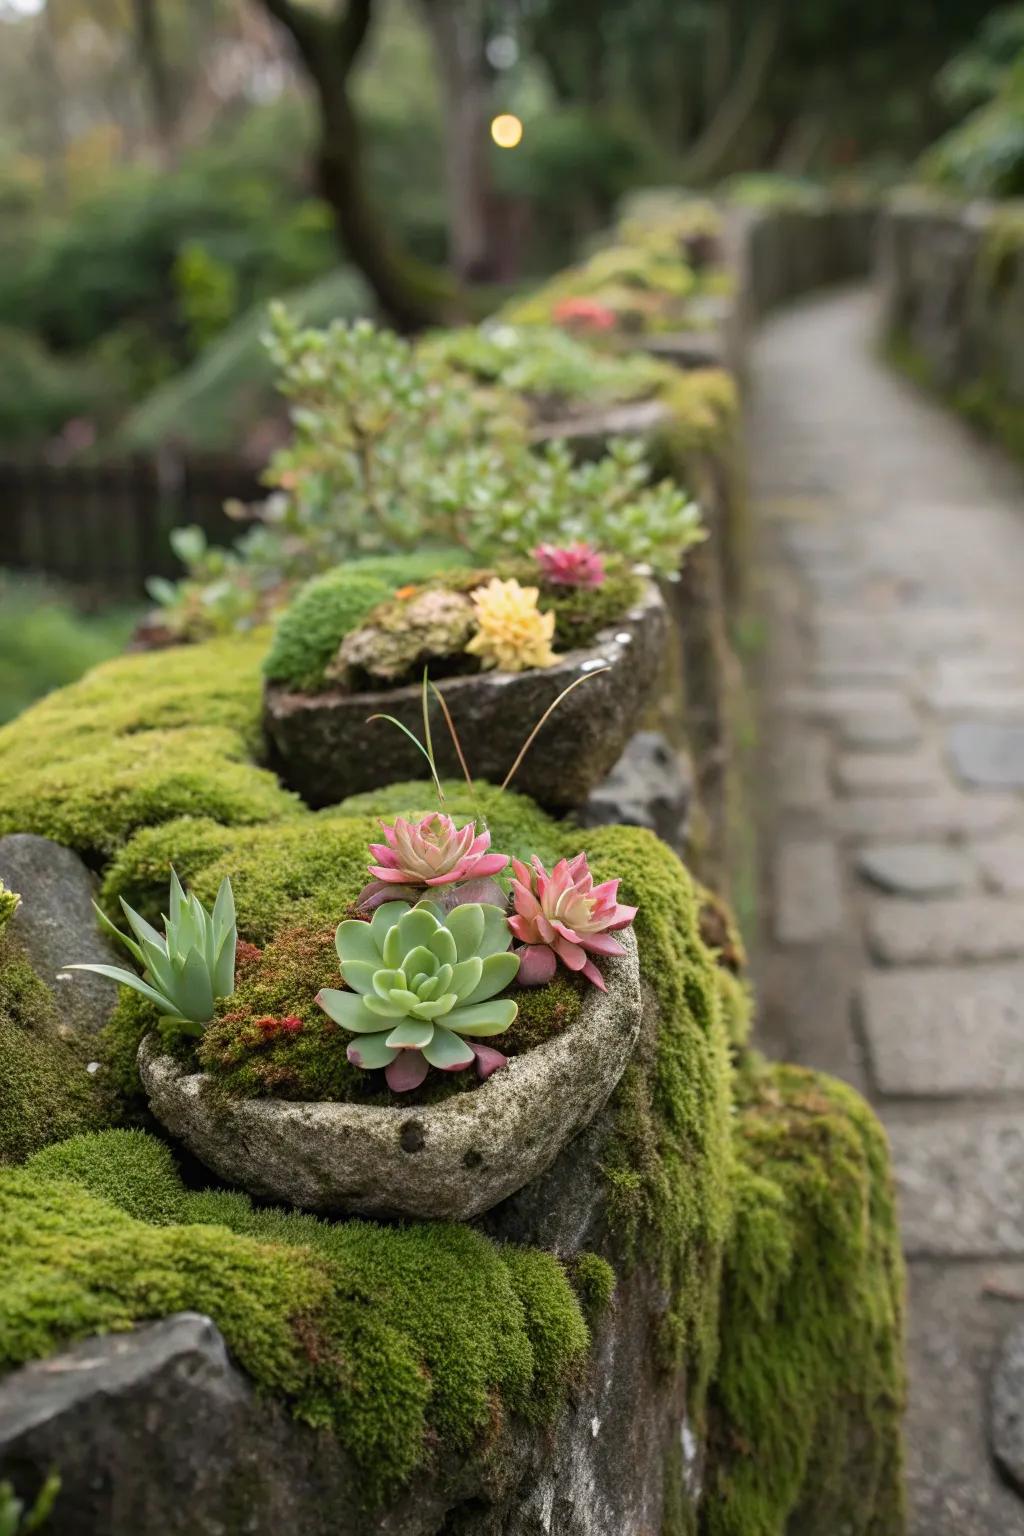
x=322 y=746
x=448 y=1161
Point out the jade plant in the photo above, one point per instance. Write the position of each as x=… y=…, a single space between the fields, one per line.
x=420 y=982
x=564 y=916
x=189 y=966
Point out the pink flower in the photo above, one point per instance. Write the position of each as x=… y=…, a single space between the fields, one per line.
x=589 y=313
x=564 y=916
x=575 y=565
x=428 y=853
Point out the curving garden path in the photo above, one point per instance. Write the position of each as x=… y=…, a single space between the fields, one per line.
x=891 y=583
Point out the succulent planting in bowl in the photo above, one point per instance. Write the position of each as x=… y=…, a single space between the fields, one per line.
x=430 y=983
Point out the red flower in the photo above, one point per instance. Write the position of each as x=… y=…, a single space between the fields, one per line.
x=589 y=313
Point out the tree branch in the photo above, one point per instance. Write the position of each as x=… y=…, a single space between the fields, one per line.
x=735 y=108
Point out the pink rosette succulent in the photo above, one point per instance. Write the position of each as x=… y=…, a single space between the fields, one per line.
x=564 y=916
x=590 y=314
x=429 y=853
x=575 y=565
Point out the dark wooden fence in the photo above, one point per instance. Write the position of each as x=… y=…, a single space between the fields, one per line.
x=106 y=525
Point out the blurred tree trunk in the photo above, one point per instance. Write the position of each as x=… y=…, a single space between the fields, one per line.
x=456 y=30
x=149 y=46
x=328 y=44
x=708 y=156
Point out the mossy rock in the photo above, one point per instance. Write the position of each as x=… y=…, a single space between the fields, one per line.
x=809 y=1390
x=139 y=741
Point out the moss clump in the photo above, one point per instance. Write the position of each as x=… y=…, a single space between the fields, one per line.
x=140 y=741
x=669 y=1164
x=593 y=1280
x=806 y=1403
x=45 y=1091
x=308 y=869
x=720 y=932
x=543 y=1012
x=330 y=606
x=393 y=1337
x=704 y=409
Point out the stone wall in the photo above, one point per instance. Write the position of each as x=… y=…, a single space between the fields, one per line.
x=951 y=291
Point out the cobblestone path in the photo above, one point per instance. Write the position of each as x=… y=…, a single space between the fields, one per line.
x=890 y=572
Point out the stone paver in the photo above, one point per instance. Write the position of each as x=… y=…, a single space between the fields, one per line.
x=988 y=754
x=960 y=1179
x=1001 y=861
x=880 y=818
x=892 y=564
x=915 y=869
x=938 y=932
x=945 y=1030
x=880 y=730
x=889 y=773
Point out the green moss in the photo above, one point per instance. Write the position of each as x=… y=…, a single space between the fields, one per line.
x=393 y=1337
x=670 y=1162
x=720 y=932
x=330 y=606
x=806 y=1404
x=140 y=741
x=704 y=407
x=543 y=1012
x=46 y=1091
x=9 y=901
x=135 y=1172
x=593 y=1280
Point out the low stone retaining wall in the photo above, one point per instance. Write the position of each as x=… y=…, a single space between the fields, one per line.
x=951 y=290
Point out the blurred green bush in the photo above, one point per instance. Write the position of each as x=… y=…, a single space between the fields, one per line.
x=46 y=641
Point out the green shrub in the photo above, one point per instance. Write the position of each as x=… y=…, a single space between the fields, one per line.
x=46 y=642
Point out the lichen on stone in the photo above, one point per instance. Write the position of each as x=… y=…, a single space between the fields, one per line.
x=401 y=637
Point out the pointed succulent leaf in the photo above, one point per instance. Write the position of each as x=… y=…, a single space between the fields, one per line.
x=425 y=987
x=357 y=941
x=129 y=979
x=348 y=1010
x=466 y=976
x=143 y=931
x=177 y=899
x=447 y=1051
x=391 y=950
x=223 y=972
x=223 y=915
x=193 y=989
x=411 y=1034
x=495 y=974
x=115 y=933
x=489 y=1018
x=371 y=1052
x=466 y=926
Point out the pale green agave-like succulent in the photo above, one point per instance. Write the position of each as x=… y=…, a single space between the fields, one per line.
x=189 y=966
x=421 y=980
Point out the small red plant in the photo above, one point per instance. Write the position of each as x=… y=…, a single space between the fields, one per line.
x=564 y=916
x=575 y=565
x=588 y=314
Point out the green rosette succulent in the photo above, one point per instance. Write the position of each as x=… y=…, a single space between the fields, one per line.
x=421 y=980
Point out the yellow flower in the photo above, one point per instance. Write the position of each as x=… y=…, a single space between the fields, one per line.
x=512 y=633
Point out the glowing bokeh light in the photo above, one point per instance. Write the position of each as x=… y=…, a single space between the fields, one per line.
x=506 y=130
